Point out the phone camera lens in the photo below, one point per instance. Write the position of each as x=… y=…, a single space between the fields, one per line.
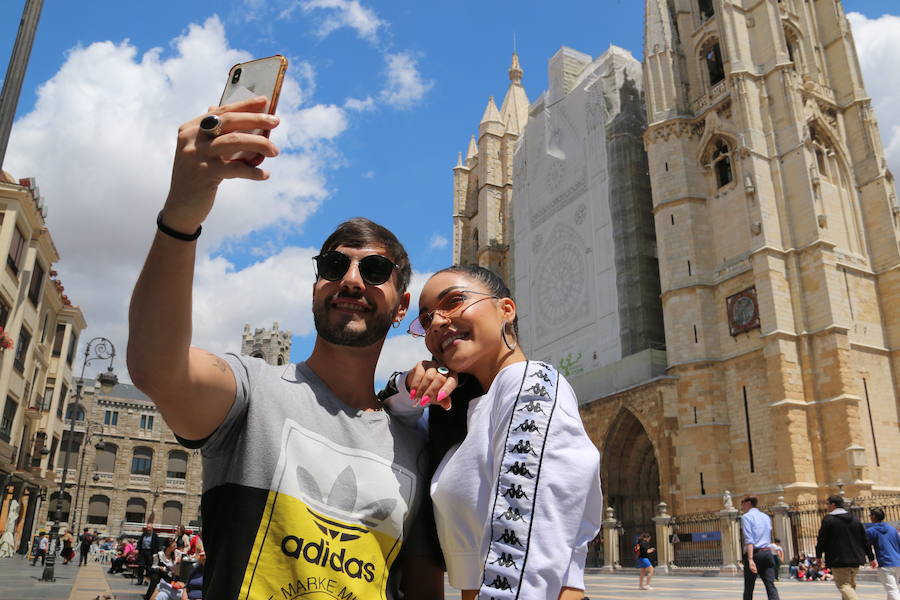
x=236 y=77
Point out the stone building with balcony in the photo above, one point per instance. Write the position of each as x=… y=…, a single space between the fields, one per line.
x=129 y=469
x=36 y=370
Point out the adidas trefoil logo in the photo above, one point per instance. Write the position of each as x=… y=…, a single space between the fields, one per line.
x=341 y=503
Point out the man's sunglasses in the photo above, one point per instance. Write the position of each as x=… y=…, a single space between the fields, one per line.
x=374 y=269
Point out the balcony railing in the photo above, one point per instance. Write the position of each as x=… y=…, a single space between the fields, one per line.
x=175 y=485
x=142 y=481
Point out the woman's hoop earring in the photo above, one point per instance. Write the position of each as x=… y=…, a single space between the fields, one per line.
x=508 y=325
x=395 y=324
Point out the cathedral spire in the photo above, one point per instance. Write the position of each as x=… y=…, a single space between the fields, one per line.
x=491 y=114
x=514 y=111
x=473 y=150
x=515 y=71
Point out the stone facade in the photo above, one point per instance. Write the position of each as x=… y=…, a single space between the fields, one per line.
x=482 y=185
x=586 y=276
x=36 y=372
x=777 y=228
x=140 y=473
x=271 y=345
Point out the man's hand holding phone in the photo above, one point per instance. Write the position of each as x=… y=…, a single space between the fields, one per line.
x=203 y=162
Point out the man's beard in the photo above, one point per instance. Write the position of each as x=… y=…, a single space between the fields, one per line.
x=340 y=335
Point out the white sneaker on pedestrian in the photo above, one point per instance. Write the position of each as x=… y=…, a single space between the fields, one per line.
x=647 y=587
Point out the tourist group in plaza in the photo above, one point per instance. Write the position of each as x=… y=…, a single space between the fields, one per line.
x=170 y=567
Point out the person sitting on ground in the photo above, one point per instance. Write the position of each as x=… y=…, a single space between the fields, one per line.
x=794 y=567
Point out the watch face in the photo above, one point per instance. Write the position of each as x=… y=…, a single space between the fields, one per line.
x=743 y=311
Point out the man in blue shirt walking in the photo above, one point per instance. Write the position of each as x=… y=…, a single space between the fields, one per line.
x=758 y=558
x=886 y=542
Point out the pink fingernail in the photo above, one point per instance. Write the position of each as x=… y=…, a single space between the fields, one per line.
x=441 y=395
x=425 y=400
x=412 y=394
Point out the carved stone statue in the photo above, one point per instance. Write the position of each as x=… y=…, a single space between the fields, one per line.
x=8 y=541
x=726 y=500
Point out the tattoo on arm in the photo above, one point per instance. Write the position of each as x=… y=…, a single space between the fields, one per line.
x=218 y=362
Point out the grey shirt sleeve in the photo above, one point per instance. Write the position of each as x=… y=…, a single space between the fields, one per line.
x=244 y=371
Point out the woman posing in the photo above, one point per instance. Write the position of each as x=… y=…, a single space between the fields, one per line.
x=516 y=489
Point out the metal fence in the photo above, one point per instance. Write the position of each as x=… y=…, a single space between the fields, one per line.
x=807 y=518
x=697 y=540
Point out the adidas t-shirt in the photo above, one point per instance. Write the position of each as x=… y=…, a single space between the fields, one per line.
x=304 y=496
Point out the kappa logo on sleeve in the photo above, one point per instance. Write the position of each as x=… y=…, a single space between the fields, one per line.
x=333 y=522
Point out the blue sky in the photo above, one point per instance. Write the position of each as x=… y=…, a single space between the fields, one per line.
x=382 y=97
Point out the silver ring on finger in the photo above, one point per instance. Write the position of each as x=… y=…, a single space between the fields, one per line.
x=443 y=371
x=211 y=125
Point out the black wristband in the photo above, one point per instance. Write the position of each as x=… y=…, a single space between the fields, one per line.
x=184 y=237
x=390 y=388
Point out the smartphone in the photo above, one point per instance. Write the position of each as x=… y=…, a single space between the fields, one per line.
x=260 y=77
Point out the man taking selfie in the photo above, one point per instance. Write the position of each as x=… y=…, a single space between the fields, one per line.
x=310 y=488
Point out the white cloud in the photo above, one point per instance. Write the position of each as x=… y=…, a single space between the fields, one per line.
x=367 y=103
x=344 y=13
x=405 y=86
x=878 y=45
x=100 y=141
x=278 y=288
x=402 y=351
x=437 y=242
x=399 y=353
x=368 y=175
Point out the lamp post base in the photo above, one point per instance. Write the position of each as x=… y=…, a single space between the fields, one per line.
x=50 y=559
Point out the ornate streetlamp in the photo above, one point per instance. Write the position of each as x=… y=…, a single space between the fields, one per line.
x=99 y=348
x=91 y=429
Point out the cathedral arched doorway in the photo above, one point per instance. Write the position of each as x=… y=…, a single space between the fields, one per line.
x=630 y=477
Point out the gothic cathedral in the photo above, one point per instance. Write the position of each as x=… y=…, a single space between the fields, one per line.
x=776 y=232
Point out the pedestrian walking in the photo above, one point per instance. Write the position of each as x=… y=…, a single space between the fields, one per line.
x=778 y=554
x=759 y=561
x=43 y=544
x=68 y=553
x=885 y=541
x=85 y=540
x=643 y=551
x=842 y=541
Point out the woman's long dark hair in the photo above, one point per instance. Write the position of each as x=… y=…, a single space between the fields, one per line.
x=447 y=428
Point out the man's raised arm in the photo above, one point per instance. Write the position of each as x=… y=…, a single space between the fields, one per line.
x=192 y=388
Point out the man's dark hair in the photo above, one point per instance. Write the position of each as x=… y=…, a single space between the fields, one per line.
x=359 y=231
x=838 y=501
x=753 y=500
x=877 y=514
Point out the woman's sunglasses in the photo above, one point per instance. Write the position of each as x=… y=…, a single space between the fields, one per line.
x=452 y=304
x=374 y=269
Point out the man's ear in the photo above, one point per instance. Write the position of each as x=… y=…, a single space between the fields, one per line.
x=402 y=307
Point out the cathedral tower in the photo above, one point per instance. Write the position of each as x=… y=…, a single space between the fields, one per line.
x=777 y=230
x=482 y=184
x=271 y=345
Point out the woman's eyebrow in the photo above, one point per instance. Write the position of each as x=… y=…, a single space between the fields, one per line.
x=442 y=294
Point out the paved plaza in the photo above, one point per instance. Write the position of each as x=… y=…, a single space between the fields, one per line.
x=621 y=587
x=20 y=581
